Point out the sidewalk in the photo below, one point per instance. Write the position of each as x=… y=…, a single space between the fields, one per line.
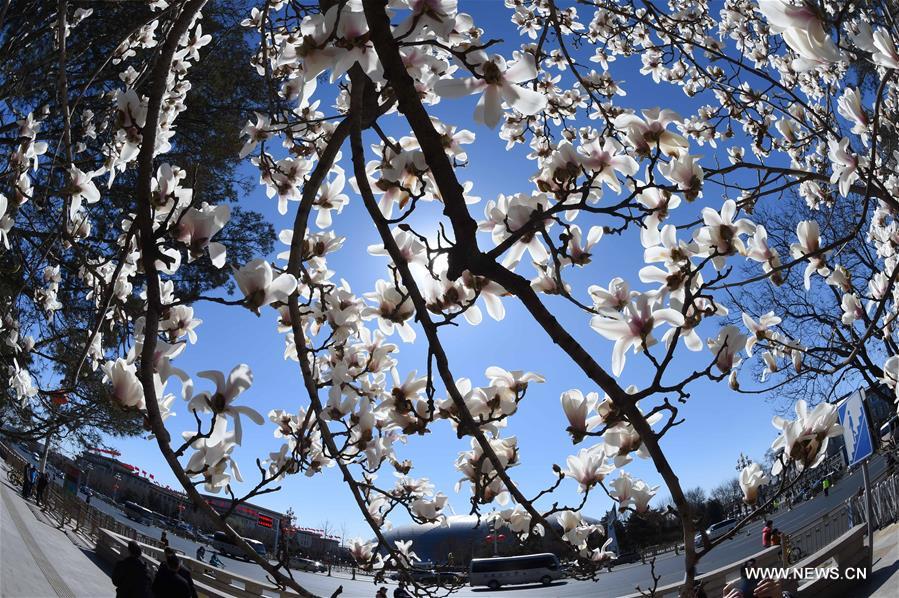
x=884 y=580
x=39 y=560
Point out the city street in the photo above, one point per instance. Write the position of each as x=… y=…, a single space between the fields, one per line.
x=620 y=581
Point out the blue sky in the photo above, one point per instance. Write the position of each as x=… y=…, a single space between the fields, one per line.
x=703 y=451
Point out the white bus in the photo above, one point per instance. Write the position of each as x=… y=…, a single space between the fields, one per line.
x=500 y=571
x=143 y=515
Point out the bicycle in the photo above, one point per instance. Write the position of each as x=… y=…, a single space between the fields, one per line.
x=791 y=554
x=14 y=477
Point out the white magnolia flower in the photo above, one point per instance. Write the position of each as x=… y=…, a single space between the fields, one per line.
x=430 y=509
x=404 y=553
x=588 y=467
x=852 y=308
x=725 y=347
x=611 y=300
x=602 y=555
x=362 y=551
x=884 y=50
x=850 y=106
x=212 y=462
x=577 y=407
x=221 y=402
x=751 y=478
x=575 y=530
x=720 y=237
x=633 y=327
x=499 y=83
x=621 y=440
x=804 y=440
x=845 y=164
x=685 y=172
x=645 y=135
x=258 y=286
x=758 y=250
x=196 y=228
x=255 y=132
x=605 y=157
x=758 y=331
x=809 y=247
x=803 y=31
x=631 y=491
x=180 y=321
x=393 y=309
x=330 y=198
x=82 y=187
x=126 y=388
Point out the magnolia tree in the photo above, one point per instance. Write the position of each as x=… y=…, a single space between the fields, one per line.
x=788 y=102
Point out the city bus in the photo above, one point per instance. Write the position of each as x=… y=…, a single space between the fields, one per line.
x=500 y=571
x=142 y=515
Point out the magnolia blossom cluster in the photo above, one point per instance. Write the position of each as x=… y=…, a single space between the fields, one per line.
x=768 y=110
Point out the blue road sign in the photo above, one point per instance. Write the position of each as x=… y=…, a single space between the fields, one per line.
x=856 y=429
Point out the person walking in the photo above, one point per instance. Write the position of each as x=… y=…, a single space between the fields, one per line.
x=201 y=552
x=130 y=575
x=43 y=480
x=26 y=480
x=826 y=485
x=172 y=580
x=164 y=538
x=766 y=533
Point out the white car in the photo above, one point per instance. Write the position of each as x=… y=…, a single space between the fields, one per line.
x=716 y=530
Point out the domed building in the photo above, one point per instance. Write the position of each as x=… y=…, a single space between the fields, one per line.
x=464 y=538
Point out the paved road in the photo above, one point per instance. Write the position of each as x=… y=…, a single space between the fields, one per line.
x=620 y=581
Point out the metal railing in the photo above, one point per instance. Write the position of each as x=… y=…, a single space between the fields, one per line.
x=814 y=536
x=884 y=503
x=67 y=509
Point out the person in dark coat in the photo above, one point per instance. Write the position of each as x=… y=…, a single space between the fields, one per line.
x=130 y=576
x=26 y=480
x=173 y=580
x=43 y=480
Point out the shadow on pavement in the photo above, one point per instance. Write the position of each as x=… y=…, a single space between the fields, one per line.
x=529 y=586
x=881 y=577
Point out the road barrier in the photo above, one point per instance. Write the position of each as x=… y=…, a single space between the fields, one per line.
x=884 y=503
x=211 y=582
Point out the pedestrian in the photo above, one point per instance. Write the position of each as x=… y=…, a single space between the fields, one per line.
x=173 y=580
x=775 y=537
x=87 y=496
x=164 y=538
x=201 y=552
x=216 y=562
x=130 y=576
x=26 y=481
x=826 y=485
x=382 y=592
x=766 y=533
x=400 y=591
x=43 y=481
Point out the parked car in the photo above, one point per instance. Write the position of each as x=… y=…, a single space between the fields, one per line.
x=302 y=564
